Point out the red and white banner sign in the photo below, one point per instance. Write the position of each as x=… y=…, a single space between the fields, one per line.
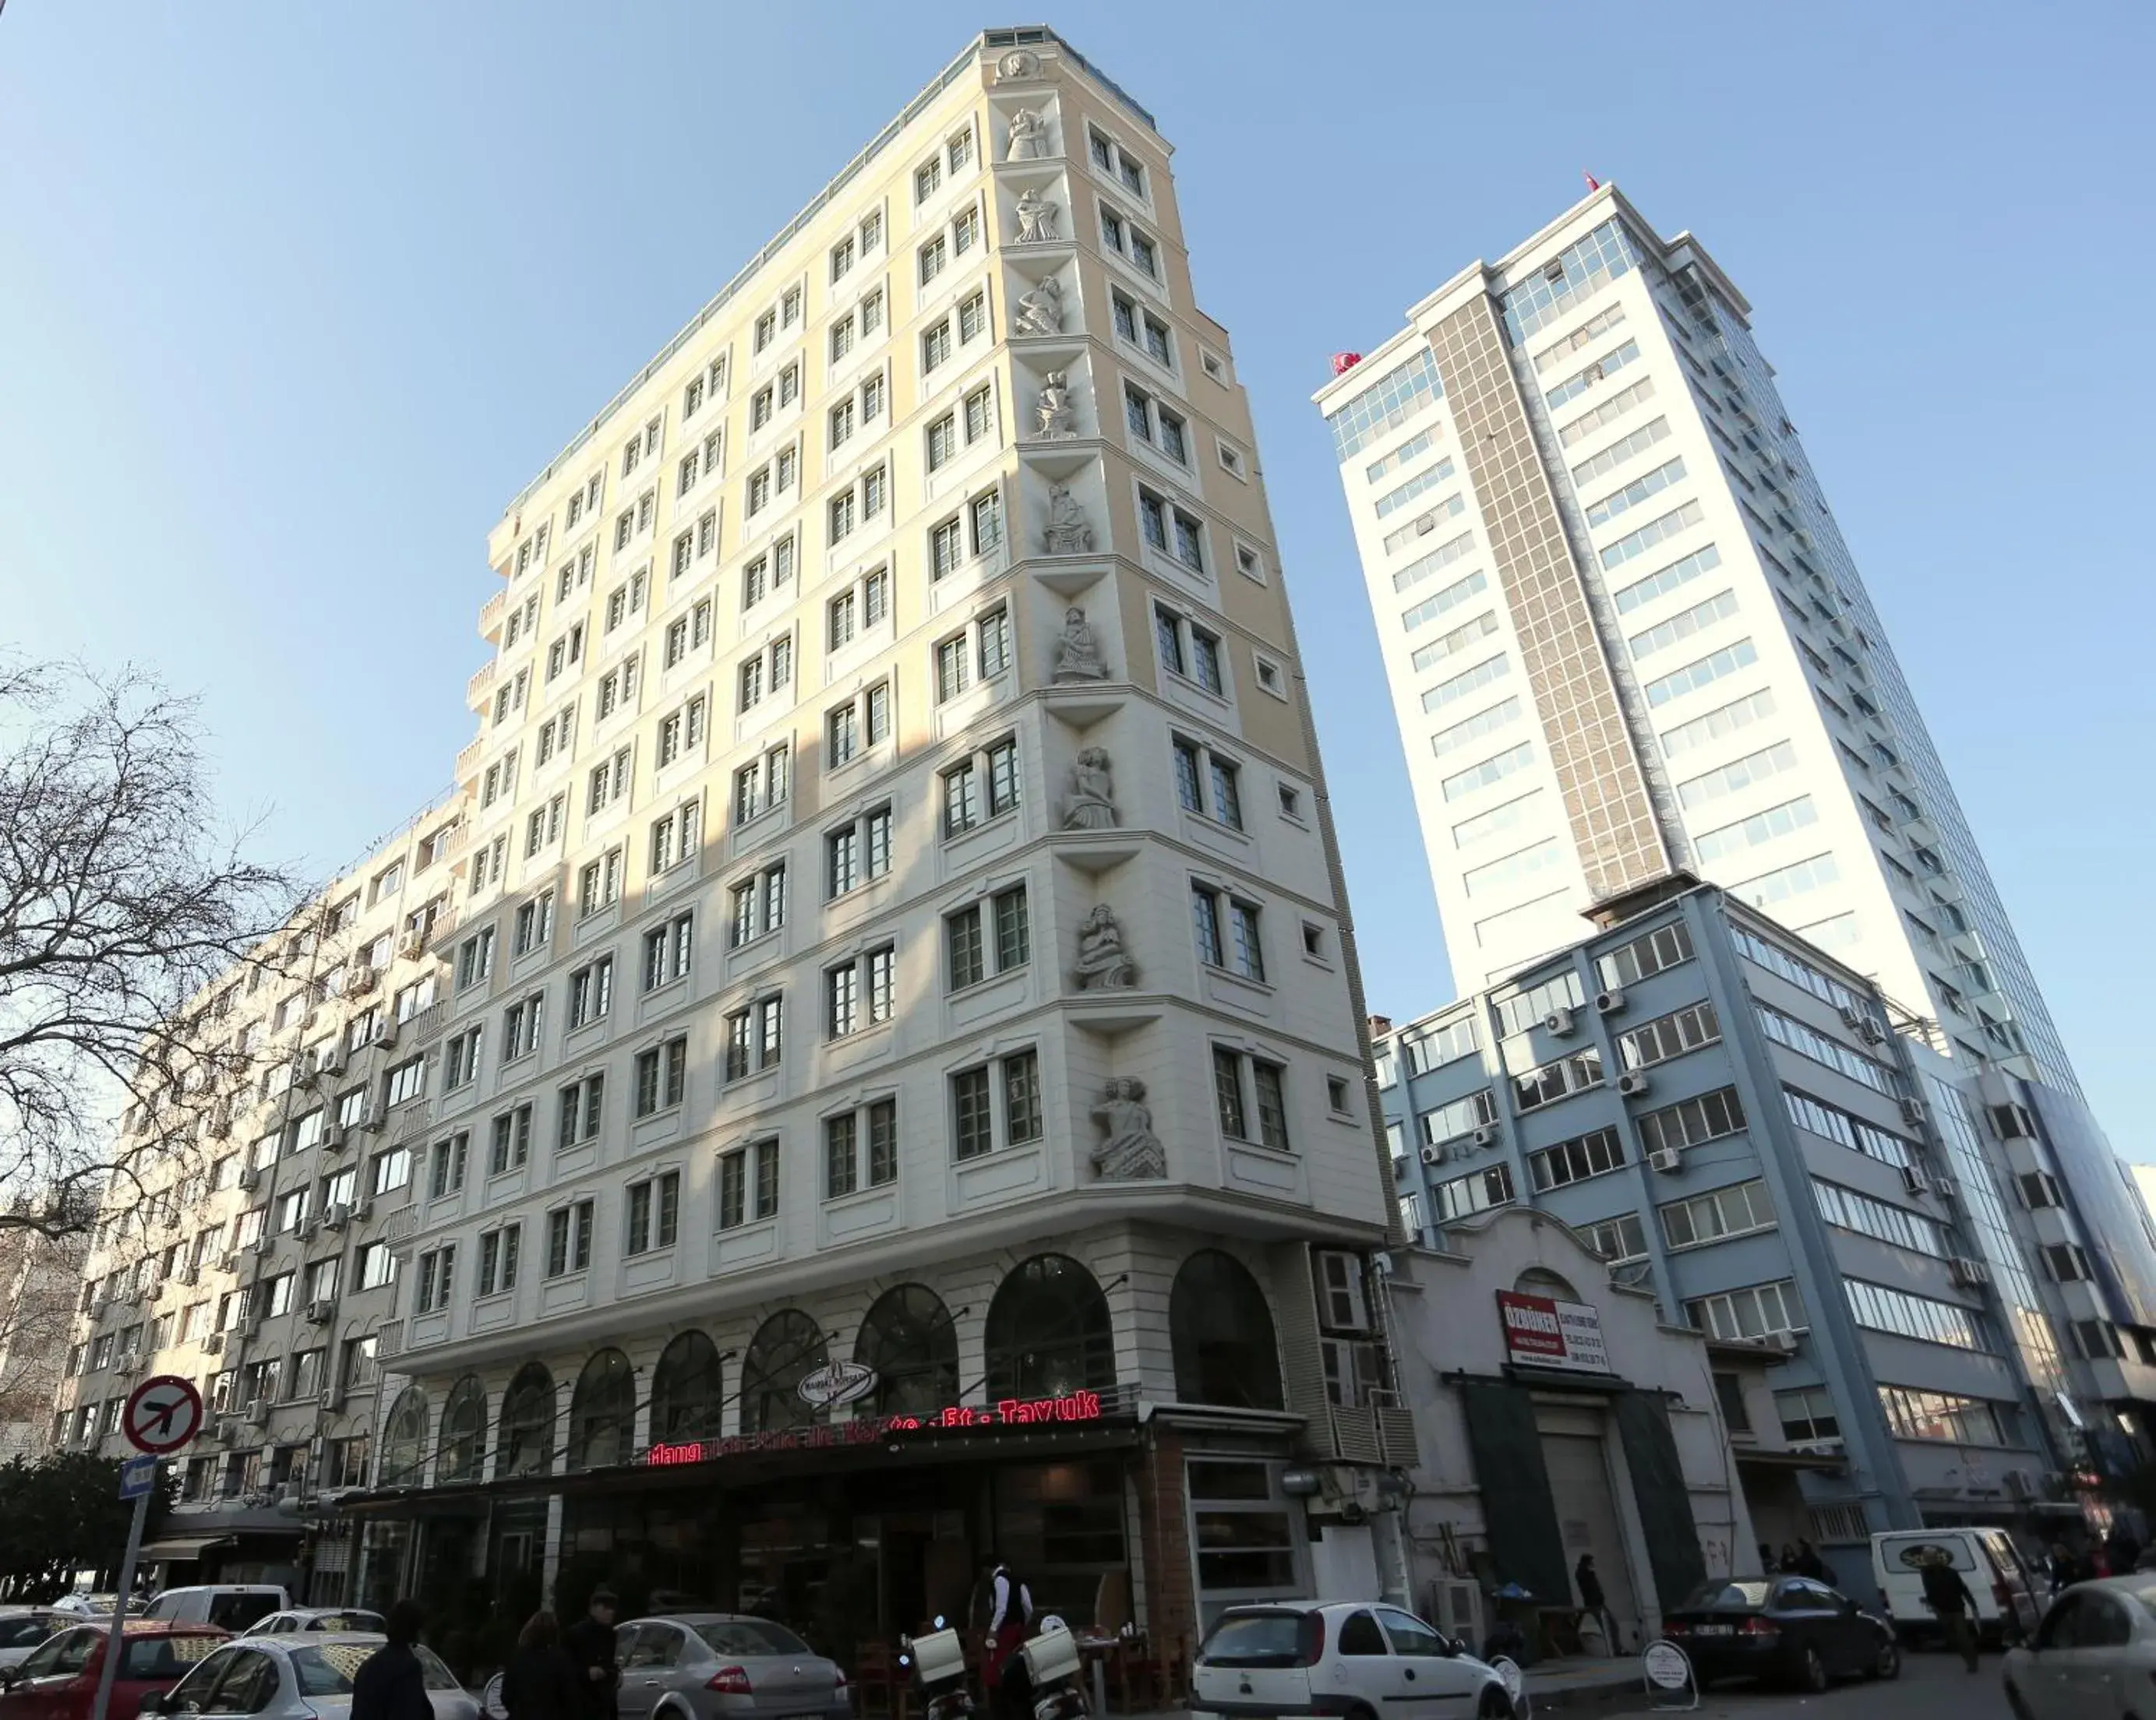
x=1541 y=1332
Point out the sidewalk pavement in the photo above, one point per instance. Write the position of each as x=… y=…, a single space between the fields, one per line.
x=1557 y=1684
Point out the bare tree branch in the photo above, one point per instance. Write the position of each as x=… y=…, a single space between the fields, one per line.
x=126 y=920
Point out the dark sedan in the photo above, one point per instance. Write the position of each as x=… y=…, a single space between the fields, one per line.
x=1791 y=1630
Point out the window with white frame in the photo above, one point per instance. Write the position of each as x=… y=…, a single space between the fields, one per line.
x=1110 y=157
x=1249 y=1094
x=981 y=649
x=543 y=827
x=859 y=725
x=591 y=992
x=513 y=1141
x=582 y=1107
x=763 y=784
x=498 y=1252
x=682 y=729
x=863 y=502
x=997 y=1105
x=534 y=922
x=461 y=1059
x=1119 y=233
x=475 y=959
x=860 y=993
x=599 y=884
x=556 y=732
x=860 y=1148
x=756 y=1037
x=436 y=1271
x=677 y=836
x=520 y=1024
x=766 y=673
x=856 y=853
x=981 y=786
x=662 y=1076
x=653 y=1213
x=1226 y=927
x=1190 y=649
x=617 y=687
x=1172 y=529
x=935 y=345
x=569 y=1239
x=1161 y=429
x=608 y=782
x=1207 y=783
x=1738 y=1210
x=748 y=1185
x=757 y=905
x=1139 y=327
x=668 y=948
x=987 y=938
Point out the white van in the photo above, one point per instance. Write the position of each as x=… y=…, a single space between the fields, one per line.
x=1986 y=1559
x=233 y=1605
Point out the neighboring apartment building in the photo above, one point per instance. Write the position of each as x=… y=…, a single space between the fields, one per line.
x=1725 y=1113
x=40 y=1279
x=901 y=1090
x=257 y=1258
x=1624 y=635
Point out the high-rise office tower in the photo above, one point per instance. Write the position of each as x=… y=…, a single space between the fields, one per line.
x=899 y=1018
x=1625 y=636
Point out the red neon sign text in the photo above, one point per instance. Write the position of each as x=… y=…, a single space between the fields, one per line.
x=1005 y=1412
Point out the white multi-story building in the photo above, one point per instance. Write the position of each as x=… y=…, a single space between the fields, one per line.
x=1625 y=636
x=900 y=1091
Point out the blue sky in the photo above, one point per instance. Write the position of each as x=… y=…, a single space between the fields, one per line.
x=295 y=298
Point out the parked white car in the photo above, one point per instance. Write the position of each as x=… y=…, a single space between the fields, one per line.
x=1362 y=1659
x=2092 y=1658
x=23 y=1628
x=231 y=1605
x=296 y=1678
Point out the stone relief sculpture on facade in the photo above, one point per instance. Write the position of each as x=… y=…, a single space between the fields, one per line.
x=1103 y=965
x=1066 y=533
x=1053 y=419
x=1017 y=66
x=1091 y=805
x=1036 y=219
x=1029 y=135
x=1077 y=652
x=1041 y=311
x=1131 y=1149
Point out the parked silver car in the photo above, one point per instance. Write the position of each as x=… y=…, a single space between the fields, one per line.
x=23 y=1628
x=296 y=1678
x=725 y=1667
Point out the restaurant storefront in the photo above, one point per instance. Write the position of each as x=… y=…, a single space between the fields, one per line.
x=859 y=1499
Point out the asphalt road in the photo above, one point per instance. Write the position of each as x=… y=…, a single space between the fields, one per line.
x=1931 y=1686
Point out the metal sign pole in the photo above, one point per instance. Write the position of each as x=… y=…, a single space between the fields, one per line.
x=115 y=1643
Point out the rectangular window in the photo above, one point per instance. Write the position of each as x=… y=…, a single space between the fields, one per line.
x=511 y=1147
x=1736 y=1211
x=569 y=1239
x=1669 y=1035
x=661 y=1076
x=1558 y=1079
x=1709 y=1117
x=1750 y=1314
x=1575 y=1160
x=654 y=1213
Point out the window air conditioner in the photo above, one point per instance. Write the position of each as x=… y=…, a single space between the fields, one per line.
x=1609 y=1002
x=257 y=1413
x=1914 y=1181
x=1786 y=1342
x=1669 y=1160
x=213 y=1344
x=1633 y=1082
x=1433 y=1155
x=333 y=1399
x=1969 y=1274
x=336 y=1216
x=1852 y=1018
x=1912 y=1112
x=1558 y=1023
x=1488 y=1135
x=321 y=1311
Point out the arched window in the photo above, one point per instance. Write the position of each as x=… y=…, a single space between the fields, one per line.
x=1048 y=1332
x=1541 y=1281
x=786 y=1346
x=686 y=1393
x=603 y=1412
x=908 y=1339
x=404 y=1440
x=527 y=1423
x=464 y=1432
x=1222 y=1332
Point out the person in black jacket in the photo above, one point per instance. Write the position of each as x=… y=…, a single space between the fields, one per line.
x=541 y=1680
x=391 y=1684
x=1951 y=1603
x=590 y=1645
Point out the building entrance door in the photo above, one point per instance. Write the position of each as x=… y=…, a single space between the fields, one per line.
x=1580 y=1488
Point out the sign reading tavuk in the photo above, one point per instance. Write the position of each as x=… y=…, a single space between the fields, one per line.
x=1541 y=1331
x=1078 y=1406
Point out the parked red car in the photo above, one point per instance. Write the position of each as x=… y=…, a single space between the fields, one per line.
x=58 y=1681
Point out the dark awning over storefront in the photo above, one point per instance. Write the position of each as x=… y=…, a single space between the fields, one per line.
x=184 y=1546
x=1109 y=1423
